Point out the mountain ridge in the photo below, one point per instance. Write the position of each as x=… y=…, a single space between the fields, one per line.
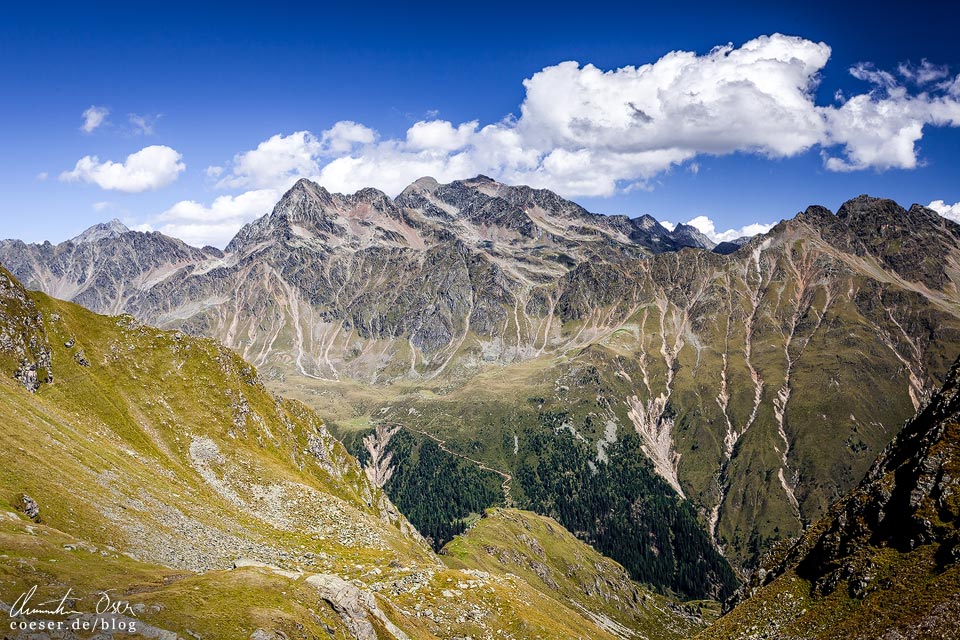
x=744 y=376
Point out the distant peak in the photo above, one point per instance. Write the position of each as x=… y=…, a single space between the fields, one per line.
x=305 y=184
x=371 y=193
x=111 y=229
x=480 y=181
x=426 y=184
x=864 y=206
x=303 y=189
x=687 y=235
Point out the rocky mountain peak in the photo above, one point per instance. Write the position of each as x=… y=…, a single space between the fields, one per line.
x=646 y=221
x=371 y=194
x=817 y=213
x=481 y=182
x=304 y=196
x=112 y=229
x=865 y=207
x=306 y=208
x=689 y=236
x=424 y=185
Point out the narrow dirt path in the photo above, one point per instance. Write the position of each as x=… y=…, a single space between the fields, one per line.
x=505 y=485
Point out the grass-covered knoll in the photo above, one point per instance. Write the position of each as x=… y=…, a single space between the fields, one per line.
x=540 y=551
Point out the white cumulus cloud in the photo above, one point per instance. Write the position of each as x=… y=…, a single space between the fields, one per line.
x=440 y=135
x=949 y=211
x=278 y=161
x=880 y=129
x=93 y=117
x=345 y=136
x=707 y=226
x=587 y=131
x=150 y=168
x=216 y=224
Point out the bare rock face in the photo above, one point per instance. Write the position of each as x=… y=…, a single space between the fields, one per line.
x=24 y=347
x=356 y=607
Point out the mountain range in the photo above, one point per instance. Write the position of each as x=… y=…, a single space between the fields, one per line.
x=579 y=360
x=158 y=466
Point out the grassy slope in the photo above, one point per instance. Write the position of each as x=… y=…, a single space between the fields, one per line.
x=883 y=561
x=540 y=551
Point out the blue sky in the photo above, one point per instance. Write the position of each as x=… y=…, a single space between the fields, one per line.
x=205 y=87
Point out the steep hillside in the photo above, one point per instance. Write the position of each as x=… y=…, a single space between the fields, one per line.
x=759 y=384
x=157 y=466
x=883 y=562
x=542 y=552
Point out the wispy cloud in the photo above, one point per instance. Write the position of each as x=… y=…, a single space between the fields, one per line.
x=143 y=125
x=93 y=118
x=923 y=73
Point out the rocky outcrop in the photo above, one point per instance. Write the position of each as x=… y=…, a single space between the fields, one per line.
x=909 y=498
x=28 y=506
x=356 y=607
x=24 y=348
